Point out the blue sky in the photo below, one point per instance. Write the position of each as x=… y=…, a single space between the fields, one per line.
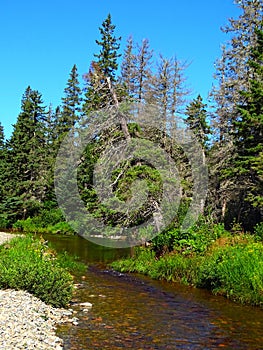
x=42 y=40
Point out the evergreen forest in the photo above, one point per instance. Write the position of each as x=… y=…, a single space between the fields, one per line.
x=228 y=127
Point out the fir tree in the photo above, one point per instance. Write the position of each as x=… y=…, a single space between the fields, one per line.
x=197 y=120
x=248 y=136
x=101 y=78
x=128 y=74
x=233 y=71
x=71 y=103
x=107 y=58
x=27 y=151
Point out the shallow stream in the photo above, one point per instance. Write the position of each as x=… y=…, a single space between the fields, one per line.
x=134 y=312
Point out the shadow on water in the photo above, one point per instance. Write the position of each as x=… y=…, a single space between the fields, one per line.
x=134 y=312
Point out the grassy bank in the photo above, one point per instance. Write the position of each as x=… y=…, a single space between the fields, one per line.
x=229 y=265
x=30 y=264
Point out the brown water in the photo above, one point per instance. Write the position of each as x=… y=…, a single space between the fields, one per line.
x=134 y=312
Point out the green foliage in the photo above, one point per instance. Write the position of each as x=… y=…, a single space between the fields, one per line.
x=61 y=228
x=109 y=46
x=196 y=240
x=249 y=129
x=258 y=231
x=234 y=270
x=141 y=262
x=197 y=120
x=36 y=225
x=29 y=264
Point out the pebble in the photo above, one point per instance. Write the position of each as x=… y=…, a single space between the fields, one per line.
x=28 y=323
x=5 y=237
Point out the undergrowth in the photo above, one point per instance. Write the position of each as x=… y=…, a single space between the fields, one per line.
x=228 y=265
x=30 y=264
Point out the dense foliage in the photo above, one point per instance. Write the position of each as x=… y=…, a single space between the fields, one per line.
x=231 y=139
x=30 y=264
x=230 y=265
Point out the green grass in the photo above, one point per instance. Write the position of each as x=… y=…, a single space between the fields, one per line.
x=230 y=266
x=30 y=264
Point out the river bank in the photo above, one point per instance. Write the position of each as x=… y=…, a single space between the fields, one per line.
x=26 y=322
x=230 y=266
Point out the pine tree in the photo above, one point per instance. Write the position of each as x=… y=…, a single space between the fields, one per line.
x=197 y=120
x=128 y=74
x=248 y=135
x=101 y=78
x=27 y=151
x=71 y=102
x=107 y=58
x=233 y=71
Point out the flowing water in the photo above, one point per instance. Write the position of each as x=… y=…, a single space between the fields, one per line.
x=134 y=312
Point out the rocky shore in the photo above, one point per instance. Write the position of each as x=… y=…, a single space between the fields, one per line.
x=26 y=322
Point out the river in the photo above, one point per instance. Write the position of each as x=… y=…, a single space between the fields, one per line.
x=135 y=312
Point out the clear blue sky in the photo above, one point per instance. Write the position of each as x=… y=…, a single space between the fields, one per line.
x=41 y=40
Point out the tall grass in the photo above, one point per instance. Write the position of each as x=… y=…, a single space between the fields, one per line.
x=232 y=267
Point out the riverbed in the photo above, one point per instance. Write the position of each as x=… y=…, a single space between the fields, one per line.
x=135 y=312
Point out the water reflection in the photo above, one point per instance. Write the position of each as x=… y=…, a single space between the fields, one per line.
x=135 y=312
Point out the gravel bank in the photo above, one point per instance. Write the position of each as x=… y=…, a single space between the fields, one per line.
x=4 y=237
x=26 y=322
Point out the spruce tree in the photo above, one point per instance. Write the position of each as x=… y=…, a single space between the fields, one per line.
x=71 y=103
x=143 y=71
x=233 y=71
x=128 y=74
x=101 y=89
x=248 y=135
x=197 y=120
x=27 y=151
x=233 y=74
x=107 y=58
x=3 y=177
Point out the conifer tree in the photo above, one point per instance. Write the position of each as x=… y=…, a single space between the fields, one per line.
x=3 y=176
x=71 y=103
x=128 y=74
x=107 y=58
x=101 y=78
x=233 y=71
x=27 y=151
x=197 y=120
x=233 y=75
x=248 y=135
x=2 y=136
x=143 y=72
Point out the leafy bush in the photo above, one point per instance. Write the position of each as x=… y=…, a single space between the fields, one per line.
x=197 y=239
x=60 y=227
x=29 y=264
x=258 y=230
x=27 y=225
x=141 y=262
x=35 y=224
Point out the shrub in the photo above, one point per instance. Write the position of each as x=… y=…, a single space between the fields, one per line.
x=29 y=264
x=196 y=240
x=258 y=230
x=236 y=272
